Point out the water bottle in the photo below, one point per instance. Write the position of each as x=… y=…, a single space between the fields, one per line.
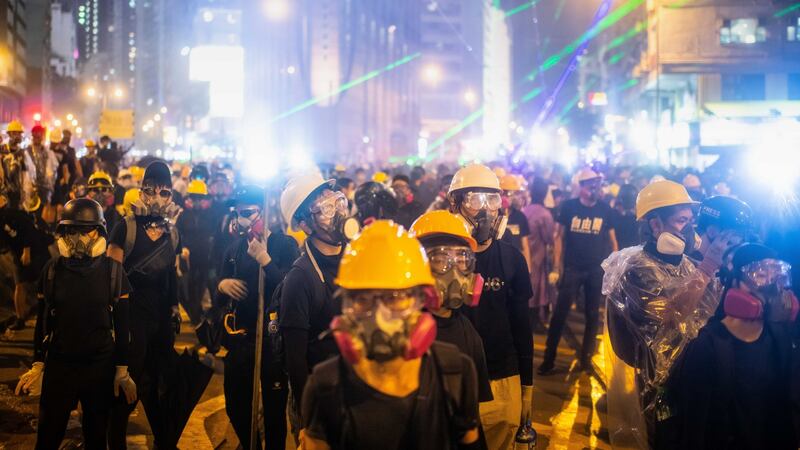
x=526 y=435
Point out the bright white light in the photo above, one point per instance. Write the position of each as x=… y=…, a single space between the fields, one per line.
x=365 y=139
x=118 y=92
x=223 y=68
x=91 y=92
x=70 y=117
x=520 y=129
x=157 y=117
x=774 y=160
x=79 y=130
x=291 y=70
x=208 y=16
x=470 y=97
x=276 y=9
x=432 y=74
x=37 y=117
x=57 y=123
x=163 y=110
x=74 y=122
x=185 y=51
x=422 y=147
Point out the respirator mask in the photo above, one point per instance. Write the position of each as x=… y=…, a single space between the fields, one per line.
x=103 y=195
x=331 y=216
x=153 y=202
x=489 y=222
x=675 y=244
x=249 y=221
x=769 y=295
x=77 y=243
x=456 y=281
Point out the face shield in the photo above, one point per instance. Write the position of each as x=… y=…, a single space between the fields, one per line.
x=770 y=280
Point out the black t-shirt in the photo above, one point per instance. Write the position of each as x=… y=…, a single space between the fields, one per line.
x=408 y=213
x=501 y=318
x=155 y=286
x=586 y=239
x=301 y=309
x=516 y=229
x=17 y=230
x=626 y=229
x=197 y=230
x=458 y=330
x=357 y=416
x=81 y=315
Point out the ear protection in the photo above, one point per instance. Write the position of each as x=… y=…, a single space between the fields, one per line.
x=415 y=345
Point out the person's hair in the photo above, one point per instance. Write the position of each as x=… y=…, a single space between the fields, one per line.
x=626 y=197
x=538 y=191
x=401 y=177
x=343 y=182
x=646 y=233
x=105 y=138
x=417 y=173
x=446 y=180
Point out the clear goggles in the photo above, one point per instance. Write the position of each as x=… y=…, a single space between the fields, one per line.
x=444 y=259
x=768 y=272
x=330 y=204
x=399 y=304
x=483 y=200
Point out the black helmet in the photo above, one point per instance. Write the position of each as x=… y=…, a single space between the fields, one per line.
x=725 y=212
x=82 y=212
x=199 y=171
x=374 y=200
x=250 y=195
x=157 y=173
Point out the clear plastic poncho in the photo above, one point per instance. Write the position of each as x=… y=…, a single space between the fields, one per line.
x=653 y=310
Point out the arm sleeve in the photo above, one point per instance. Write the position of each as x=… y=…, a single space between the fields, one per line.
x=172 y=285
x=122 y=321
x=296 y=344
x=294 y=324
x=283 y=251
x=469 y=395
x=313 y=421
x=520 y=292
x=563 y=214
x=117 y=236
x=524 y=228
x=38 y=331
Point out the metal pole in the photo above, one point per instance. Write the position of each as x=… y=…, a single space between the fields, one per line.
x=256 y=399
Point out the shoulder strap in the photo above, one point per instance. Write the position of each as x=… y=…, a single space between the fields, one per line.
x=173 y=237
x=448 y=370
x=130 y=235
x=116 y=281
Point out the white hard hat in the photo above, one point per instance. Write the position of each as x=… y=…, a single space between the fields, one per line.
x=474 y=176
x=297 y=191
x=586 y=174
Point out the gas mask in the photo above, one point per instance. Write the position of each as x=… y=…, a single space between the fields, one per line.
x=456 y=281
x=80 y=245
x=103 y=196
x=382 y=326
x=197 y=203
x=153 y=202
x=489 y=222
x=330 y=217
x=769 y=295
x=249 y=221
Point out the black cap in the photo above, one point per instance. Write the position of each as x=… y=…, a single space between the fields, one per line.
x=82 y=212
x=725 y=212
x=199 y=171
x=157 y=173
x=374 y=200
x=750 y=253
x=250 y=195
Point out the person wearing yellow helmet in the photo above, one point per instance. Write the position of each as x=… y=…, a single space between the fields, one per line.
x=501 y=318
x=17 y=172
x=391 y=384
x=196 y=225
x=514 y=199
x=450 y=249
x=657 y=300
x=90 y=163
x=100 y=188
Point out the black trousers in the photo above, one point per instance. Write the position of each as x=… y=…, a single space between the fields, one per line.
x=238 y=387
x=197 y=284
x=150 y=347
x=591 y=280
x=64 y=385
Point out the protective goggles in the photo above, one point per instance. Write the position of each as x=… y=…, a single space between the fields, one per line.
x=768 y=272
x=331 y=204
x=483 y=200
x=101 y=189
x=399 y=303
x=248 y=212
x=152 y=192
x=444 y=259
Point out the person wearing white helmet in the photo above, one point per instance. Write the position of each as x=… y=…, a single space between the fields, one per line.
x=584 y=236
x=306 y=302
x=501 y=317
x=657 y=300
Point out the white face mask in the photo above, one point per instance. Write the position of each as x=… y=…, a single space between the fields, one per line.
x=670 y=244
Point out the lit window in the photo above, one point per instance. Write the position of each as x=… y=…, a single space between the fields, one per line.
x=793 y=31
x=742 y=31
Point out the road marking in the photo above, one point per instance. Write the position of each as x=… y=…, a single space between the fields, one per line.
x=194 y=435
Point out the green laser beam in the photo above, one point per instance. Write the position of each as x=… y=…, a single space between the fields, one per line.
x=496 y=4
x=677 y=4
x=615 y=58
x=608 y=21
x=574 y=101
x=626 y=36
x=521 y=8
x=787 y=10
x=362 y=79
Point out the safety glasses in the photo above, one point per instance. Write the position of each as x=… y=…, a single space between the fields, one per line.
x=768 y=272
x=483 y=200
x=399 y=303
x=152 y=192
x=444 y=259
x=329 y=205
x=101 y=189
x=248 y=212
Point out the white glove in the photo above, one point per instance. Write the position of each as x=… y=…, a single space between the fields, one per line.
x=123 y=380
x=171 y=213
x=712 y=258
x=553 y=277
x=527 y=402
x=31 y=381
x=233 y=288
x=257 y=249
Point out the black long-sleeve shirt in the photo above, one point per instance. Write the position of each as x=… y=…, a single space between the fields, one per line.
x=77 y=314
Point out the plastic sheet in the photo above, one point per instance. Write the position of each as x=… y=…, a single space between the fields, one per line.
x=654 y=309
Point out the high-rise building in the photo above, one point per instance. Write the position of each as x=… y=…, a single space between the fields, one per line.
x=13 y=71
x=38 y=98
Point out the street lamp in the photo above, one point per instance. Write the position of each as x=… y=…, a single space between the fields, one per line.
x=119 y=93
x=91 y=92
x=276 y=9
x=470 y=97
x=74 y=122
x=70 y=117
x=432 y=74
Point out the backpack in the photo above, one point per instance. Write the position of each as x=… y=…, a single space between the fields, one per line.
x=130 y=236
x=49 y=311
x=447 y=364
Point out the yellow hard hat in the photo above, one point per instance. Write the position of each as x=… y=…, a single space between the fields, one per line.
x=438 y=223
x=56 y=135
x=15 y=127
x=500 y=172
x=298 y=235
x=510 y=182
x=340 y=168
x=137 y=172
x=89 y=143
x=661 y=194
x=474 y=176
x=384 y=256
x=131 y=196
x=99 y=178
x=380 y=177
x=197 y=187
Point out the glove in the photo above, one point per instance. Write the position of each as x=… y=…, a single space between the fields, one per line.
x=31 y=381
x=712 y=258
x=257 y=249
x=175 y=318
x=25 y=258
x=171 y=213
x=123 y=380
x=233 y=288
x=553 y=277
x=527 y=402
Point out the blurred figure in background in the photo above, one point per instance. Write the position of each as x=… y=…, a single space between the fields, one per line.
x=625 y=226
x=540 y=245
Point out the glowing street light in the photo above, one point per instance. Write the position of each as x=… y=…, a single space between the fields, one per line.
x=432 y=74
x=70 y=117
x=91 y=92
x=157 y=117
x=57 y=123
x=163 y=110
x=119 y=93
x=79 y=130
x=470 y=97
x=276 y=9
x=37 y=117
x=74 y=122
